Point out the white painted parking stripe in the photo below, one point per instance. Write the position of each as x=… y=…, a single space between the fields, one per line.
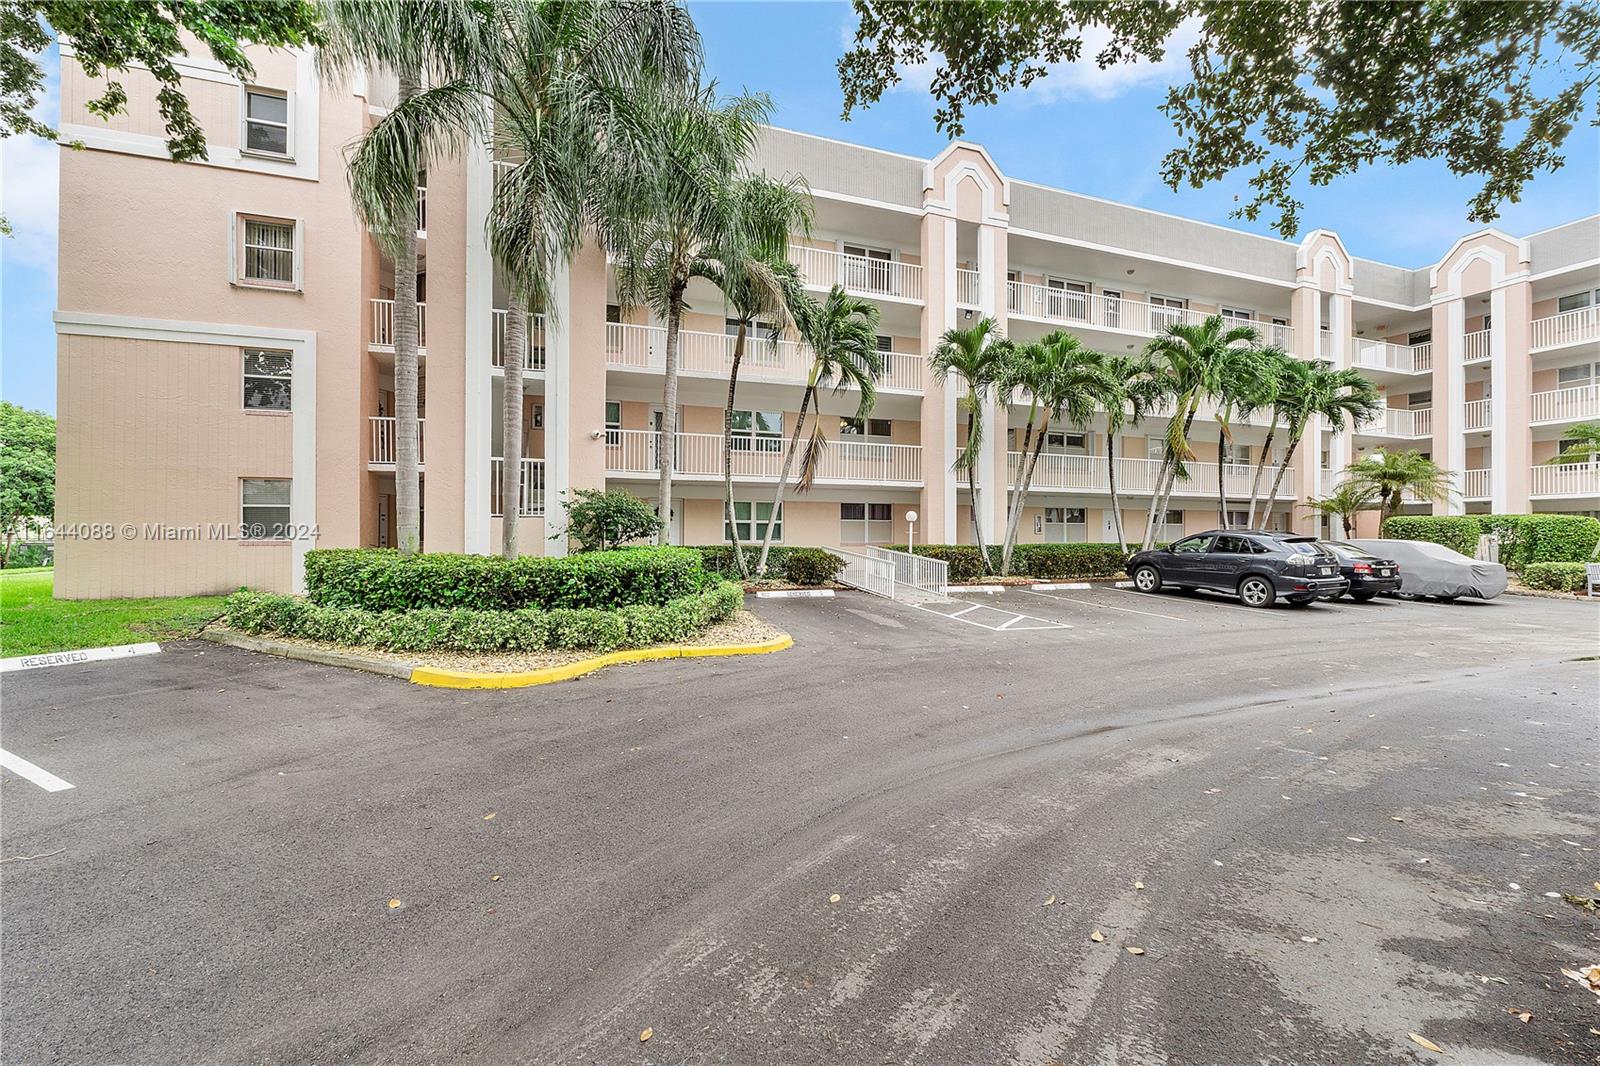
x=1062 y=586
x=81 y=655
x=1109 y=607
x=963 y=611
x=39 y=776
x=1010 y=625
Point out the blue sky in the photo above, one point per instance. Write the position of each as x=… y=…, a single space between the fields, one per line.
x=1088 y=131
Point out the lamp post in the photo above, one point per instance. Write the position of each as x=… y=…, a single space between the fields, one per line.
x=911 y=531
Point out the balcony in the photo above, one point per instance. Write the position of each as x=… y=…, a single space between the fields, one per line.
x=1475 y=346
x=1569 y=327
x=383 y=452
x=534 y=357
x=531 y=489
x=1400 y=358
x=1136 y=477
x=1575 y=404
x=632 y=453
x=1572 y=479
x=1475 y=484
x=630 y=347
x=824 y=268
x=1477 y=415
x=1072 y=308
x=968 y=289
x=383 y=324
x=1401 y=422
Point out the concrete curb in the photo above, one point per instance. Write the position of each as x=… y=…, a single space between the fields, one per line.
x=427 y=675
x=267 y=646
x=794 y=594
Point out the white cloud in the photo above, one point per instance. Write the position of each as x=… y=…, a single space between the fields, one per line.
x=30 y=186
x=1084 y=80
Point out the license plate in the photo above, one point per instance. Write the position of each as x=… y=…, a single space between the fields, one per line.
x=1386 y=572
x=1327 y=571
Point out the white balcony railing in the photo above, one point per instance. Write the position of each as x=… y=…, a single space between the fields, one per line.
x=967 y=288
x=1401 y=422
x=1382 y=355
x=383 y=442
x=1566 y=405
x=1475 y=484
x=1573 y=479
x=863 y=275
x=1325 y=344
x=1475 y=347
x=1089 y=473
x=699 y=455
x=383 y=324
x=645 y=348
x=1476 y=415
x=530 y=502
x=1569 y=327
x=534 y=359
x=1113 y=312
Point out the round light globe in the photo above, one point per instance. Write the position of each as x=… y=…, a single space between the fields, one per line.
x=911 y=516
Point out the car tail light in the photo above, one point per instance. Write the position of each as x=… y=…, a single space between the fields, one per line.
x=1301 y=559
x=1362 y=568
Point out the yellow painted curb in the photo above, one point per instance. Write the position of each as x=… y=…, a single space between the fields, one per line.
x=427 y=675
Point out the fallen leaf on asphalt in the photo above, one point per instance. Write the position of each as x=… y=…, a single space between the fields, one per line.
x=1395 y=818
x=1135 y=951
x=1049 y=901
x=1138 y=886
x=1422 y=1041
x=1587 y=976
x=645 y=1034
x=1357 y=840
x=495 y=877
x=1485 y=978
x=393 y=903
x=1524 y=1016
x=1310 y=940
x=1098 y=937
x=834 y=898
x=489 y=817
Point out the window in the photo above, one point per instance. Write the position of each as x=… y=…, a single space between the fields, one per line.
x=613 y=423
x=1577 y=301
x=885 y=343
x=265 y=510
x=1058 y=441
x=1165 y=311
x=1172 y=525
x=1419 y=336
x=757 y=431
x=752 y=520
x=867 y=268
x=266 y=122
x=266 y=380
x=1234 y=546
x=1233 y=314
x=1192 y=545
x=1112 y=302
x=1238 y=519
x=866 y=523
x=270 y=256
x=1237 y=453
x=1065 y=525
x=1155 y=447
x=1572 y=376
x=870 y=427
x=1420 y=400
x=614 y=313
x=1575 y=442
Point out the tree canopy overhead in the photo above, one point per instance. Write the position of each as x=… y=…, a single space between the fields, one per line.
x=1310 y=89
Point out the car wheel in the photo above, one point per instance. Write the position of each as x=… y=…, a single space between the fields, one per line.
x=1147 y=579
x=1362 y=597
x=1257 y=592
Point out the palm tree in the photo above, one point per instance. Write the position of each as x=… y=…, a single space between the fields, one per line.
x=1194 y=360
x=1063 y=381
x=439 y=42
x=1132 y=391
x=842 y=333
x=1284 y=367
x=1390 y=475
x=976 y=355
x=1583 y=445
x=1344 y=502
x=686 y=197
x=1309 y=389
x=1250 y=384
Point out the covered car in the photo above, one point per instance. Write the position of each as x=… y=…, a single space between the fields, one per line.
x=1428 y=569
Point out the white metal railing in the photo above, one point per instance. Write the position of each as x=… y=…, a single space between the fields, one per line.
x=1570 y=479
x=1325 y=344
x=633 y=451
x=1475 y=484
x=1475 y=346
x=530 y=488
x=1089 y=473
x=967 y=288
x=866 y=573
x=1563 y=405
x=1382 y=355
x=1476 y=415
x=645 y=348
x=383 y=324
x=824 y=268
x=1401 y=422
x=534 y=359
x=1569 y=327
x=914 y=573
x=1114 y=312
x=1422 y=356
x=383 y=439
x=422 y=209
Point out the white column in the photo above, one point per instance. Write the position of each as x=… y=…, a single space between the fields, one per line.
x=303 y=489
x=1341 y=448
x=995 y=494
x=479 y=363
x=558 y=410
x=1455 y=457
x=946 y=278
x=1500 y=501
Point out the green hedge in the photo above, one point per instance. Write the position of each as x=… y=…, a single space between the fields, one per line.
x=1562 y=538
x=1052 y=561
x=1459 y=532
x=377 y=579
x=465 y=629
x=1524 y=538
x=1558 y=577
x=803 y=566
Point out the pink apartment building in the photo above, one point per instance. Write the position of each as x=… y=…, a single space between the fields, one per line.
x=247 y=312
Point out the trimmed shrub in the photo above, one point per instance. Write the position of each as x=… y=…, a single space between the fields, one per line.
x=377 y=579
x=466 y=629
x=812 y=566
x=602 y=520
x=1512 y=532
x=1557 y=577
x=718 y=559
x=1561 y=538
x=1069 y=560
x=1458 y=532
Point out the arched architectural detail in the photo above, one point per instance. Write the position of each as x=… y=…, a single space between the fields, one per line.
x=943 y=174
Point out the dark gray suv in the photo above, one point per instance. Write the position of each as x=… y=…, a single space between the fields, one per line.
x=1255 y=565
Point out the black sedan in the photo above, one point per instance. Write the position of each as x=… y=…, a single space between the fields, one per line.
x=1253 y=564
x=1368 y=574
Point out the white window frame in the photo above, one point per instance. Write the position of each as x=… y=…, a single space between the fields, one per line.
x=1155 y=448
x=1590 y=297
x=245 y=523
x=1062 y=518
x=866 y=529
x=613 y=425
x=245 y=120
x=867 y=430
x=1589 y=375
x=753 y=440
x=1238 y=314
x=236 y=246
x=287 y=378
x=752 y=527
x=1167 y=523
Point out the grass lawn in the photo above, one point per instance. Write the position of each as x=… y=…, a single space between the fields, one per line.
x=31 y=622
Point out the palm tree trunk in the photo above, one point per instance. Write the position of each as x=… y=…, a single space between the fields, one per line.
x=783 y=477
x=727 y=453
x=1261 y=464
x=974 y=484
x=667 y=440
x=1277 y=480
x=516 y=347
x=1222 y=492
x=1111 y=483
x=407 y=445
x=1014 y=520
x=1169 y=478
x=1019 y=492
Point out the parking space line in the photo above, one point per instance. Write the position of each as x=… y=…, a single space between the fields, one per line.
x=39 y=776
x=959 y=613
x=1009 y=625
x=1105 y=606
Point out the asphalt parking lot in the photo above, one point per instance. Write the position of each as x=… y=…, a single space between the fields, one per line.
x=1325 y=829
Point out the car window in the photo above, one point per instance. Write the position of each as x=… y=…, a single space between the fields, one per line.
x=1232 y=546
x=1192 y=544
x=1340 y=548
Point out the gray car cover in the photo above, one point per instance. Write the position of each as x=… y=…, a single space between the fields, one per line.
x=1428 y=569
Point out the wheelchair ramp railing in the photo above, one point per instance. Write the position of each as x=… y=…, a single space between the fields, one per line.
x=895 y=575
x=867 y=574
